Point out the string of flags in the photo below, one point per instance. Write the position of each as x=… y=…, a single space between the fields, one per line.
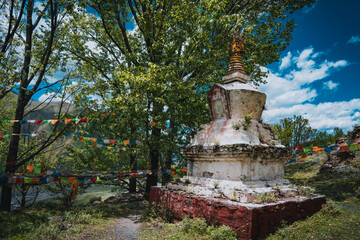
x=352 y=145
x=52 y=121
x=43 y=176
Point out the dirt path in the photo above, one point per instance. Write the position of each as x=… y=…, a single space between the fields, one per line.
x=128 y=227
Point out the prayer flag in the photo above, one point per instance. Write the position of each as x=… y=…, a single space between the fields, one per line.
x=307 y=149
x=22 y=121
x=113 y=141
x=153 y=124
x=71 y=179
x=67 y=121
x=353 y=147
x=64 y=180
x=38 y=121
x=344 y=148
x=30 y=168
x=126 y=142
x=27 y=180
x=37 y=170
x=54 y=121
x=20 y=180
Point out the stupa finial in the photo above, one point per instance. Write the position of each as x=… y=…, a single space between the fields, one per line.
x=236 y=70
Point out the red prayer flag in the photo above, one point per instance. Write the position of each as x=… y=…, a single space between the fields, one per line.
x=20 y=180
x=38 y=121
x=344 y=148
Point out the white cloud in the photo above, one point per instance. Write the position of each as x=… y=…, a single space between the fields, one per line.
x=330 y=85
x=354 y=39
x=292 y=93
x=285 y=61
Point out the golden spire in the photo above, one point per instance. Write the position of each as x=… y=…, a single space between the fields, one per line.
x=236 y=70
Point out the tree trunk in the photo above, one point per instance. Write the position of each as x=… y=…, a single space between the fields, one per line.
x=13 y=152
x=154 y=156
x=168 y=160
x=133 y=164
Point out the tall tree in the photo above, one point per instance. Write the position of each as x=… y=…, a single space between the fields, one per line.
x=297 y=131
x=176 y=50
x=30 y=50
x=293 y=131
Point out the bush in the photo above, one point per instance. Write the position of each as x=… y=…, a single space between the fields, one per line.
x=223 y=233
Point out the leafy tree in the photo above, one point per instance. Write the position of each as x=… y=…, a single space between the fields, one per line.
x=30 y=52
x=297 y=131
x=161 y=69
x=293 y=131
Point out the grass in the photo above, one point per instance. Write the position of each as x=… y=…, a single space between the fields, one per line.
x=339 y=218
x=81 y=221
x=188 y=228
x=34 y=223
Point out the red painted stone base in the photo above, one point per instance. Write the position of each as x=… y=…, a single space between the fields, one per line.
x=249 y=221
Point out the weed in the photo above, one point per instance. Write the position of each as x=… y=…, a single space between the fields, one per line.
x=187 y=181
x=236 y=125
x=267 y=197
x=246 y=123
x=216 y=185
x=305 y=191
x=216 y=143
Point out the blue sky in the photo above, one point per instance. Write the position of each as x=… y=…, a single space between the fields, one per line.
x=318 y=75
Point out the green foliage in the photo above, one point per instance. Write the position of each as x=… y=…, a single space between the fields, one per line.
x=305 y=191
x=297 y=131
x=328 y=223
x=162 y=69
x=188 y=228
x=246 y=123
x=236 y=125
x=267 y=197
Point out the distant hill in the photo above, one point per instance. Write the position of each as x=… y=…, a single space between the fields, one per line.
x=42 y=111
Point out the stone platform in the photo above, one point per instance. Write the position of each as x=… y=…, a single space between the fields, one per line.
x=248 y=220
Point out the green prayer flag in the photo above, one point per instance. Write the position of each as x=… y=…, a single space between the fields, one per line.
x=37 y=170
x=5 y=121
x=46 y=121
x=353 y=147
x=64 y=180
x=2 y=168
x=307 y=149
x=6 y=136
x=178 y=170
x=51 y=133
x=27 y=180
x=87 y=138
x=98 y=179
